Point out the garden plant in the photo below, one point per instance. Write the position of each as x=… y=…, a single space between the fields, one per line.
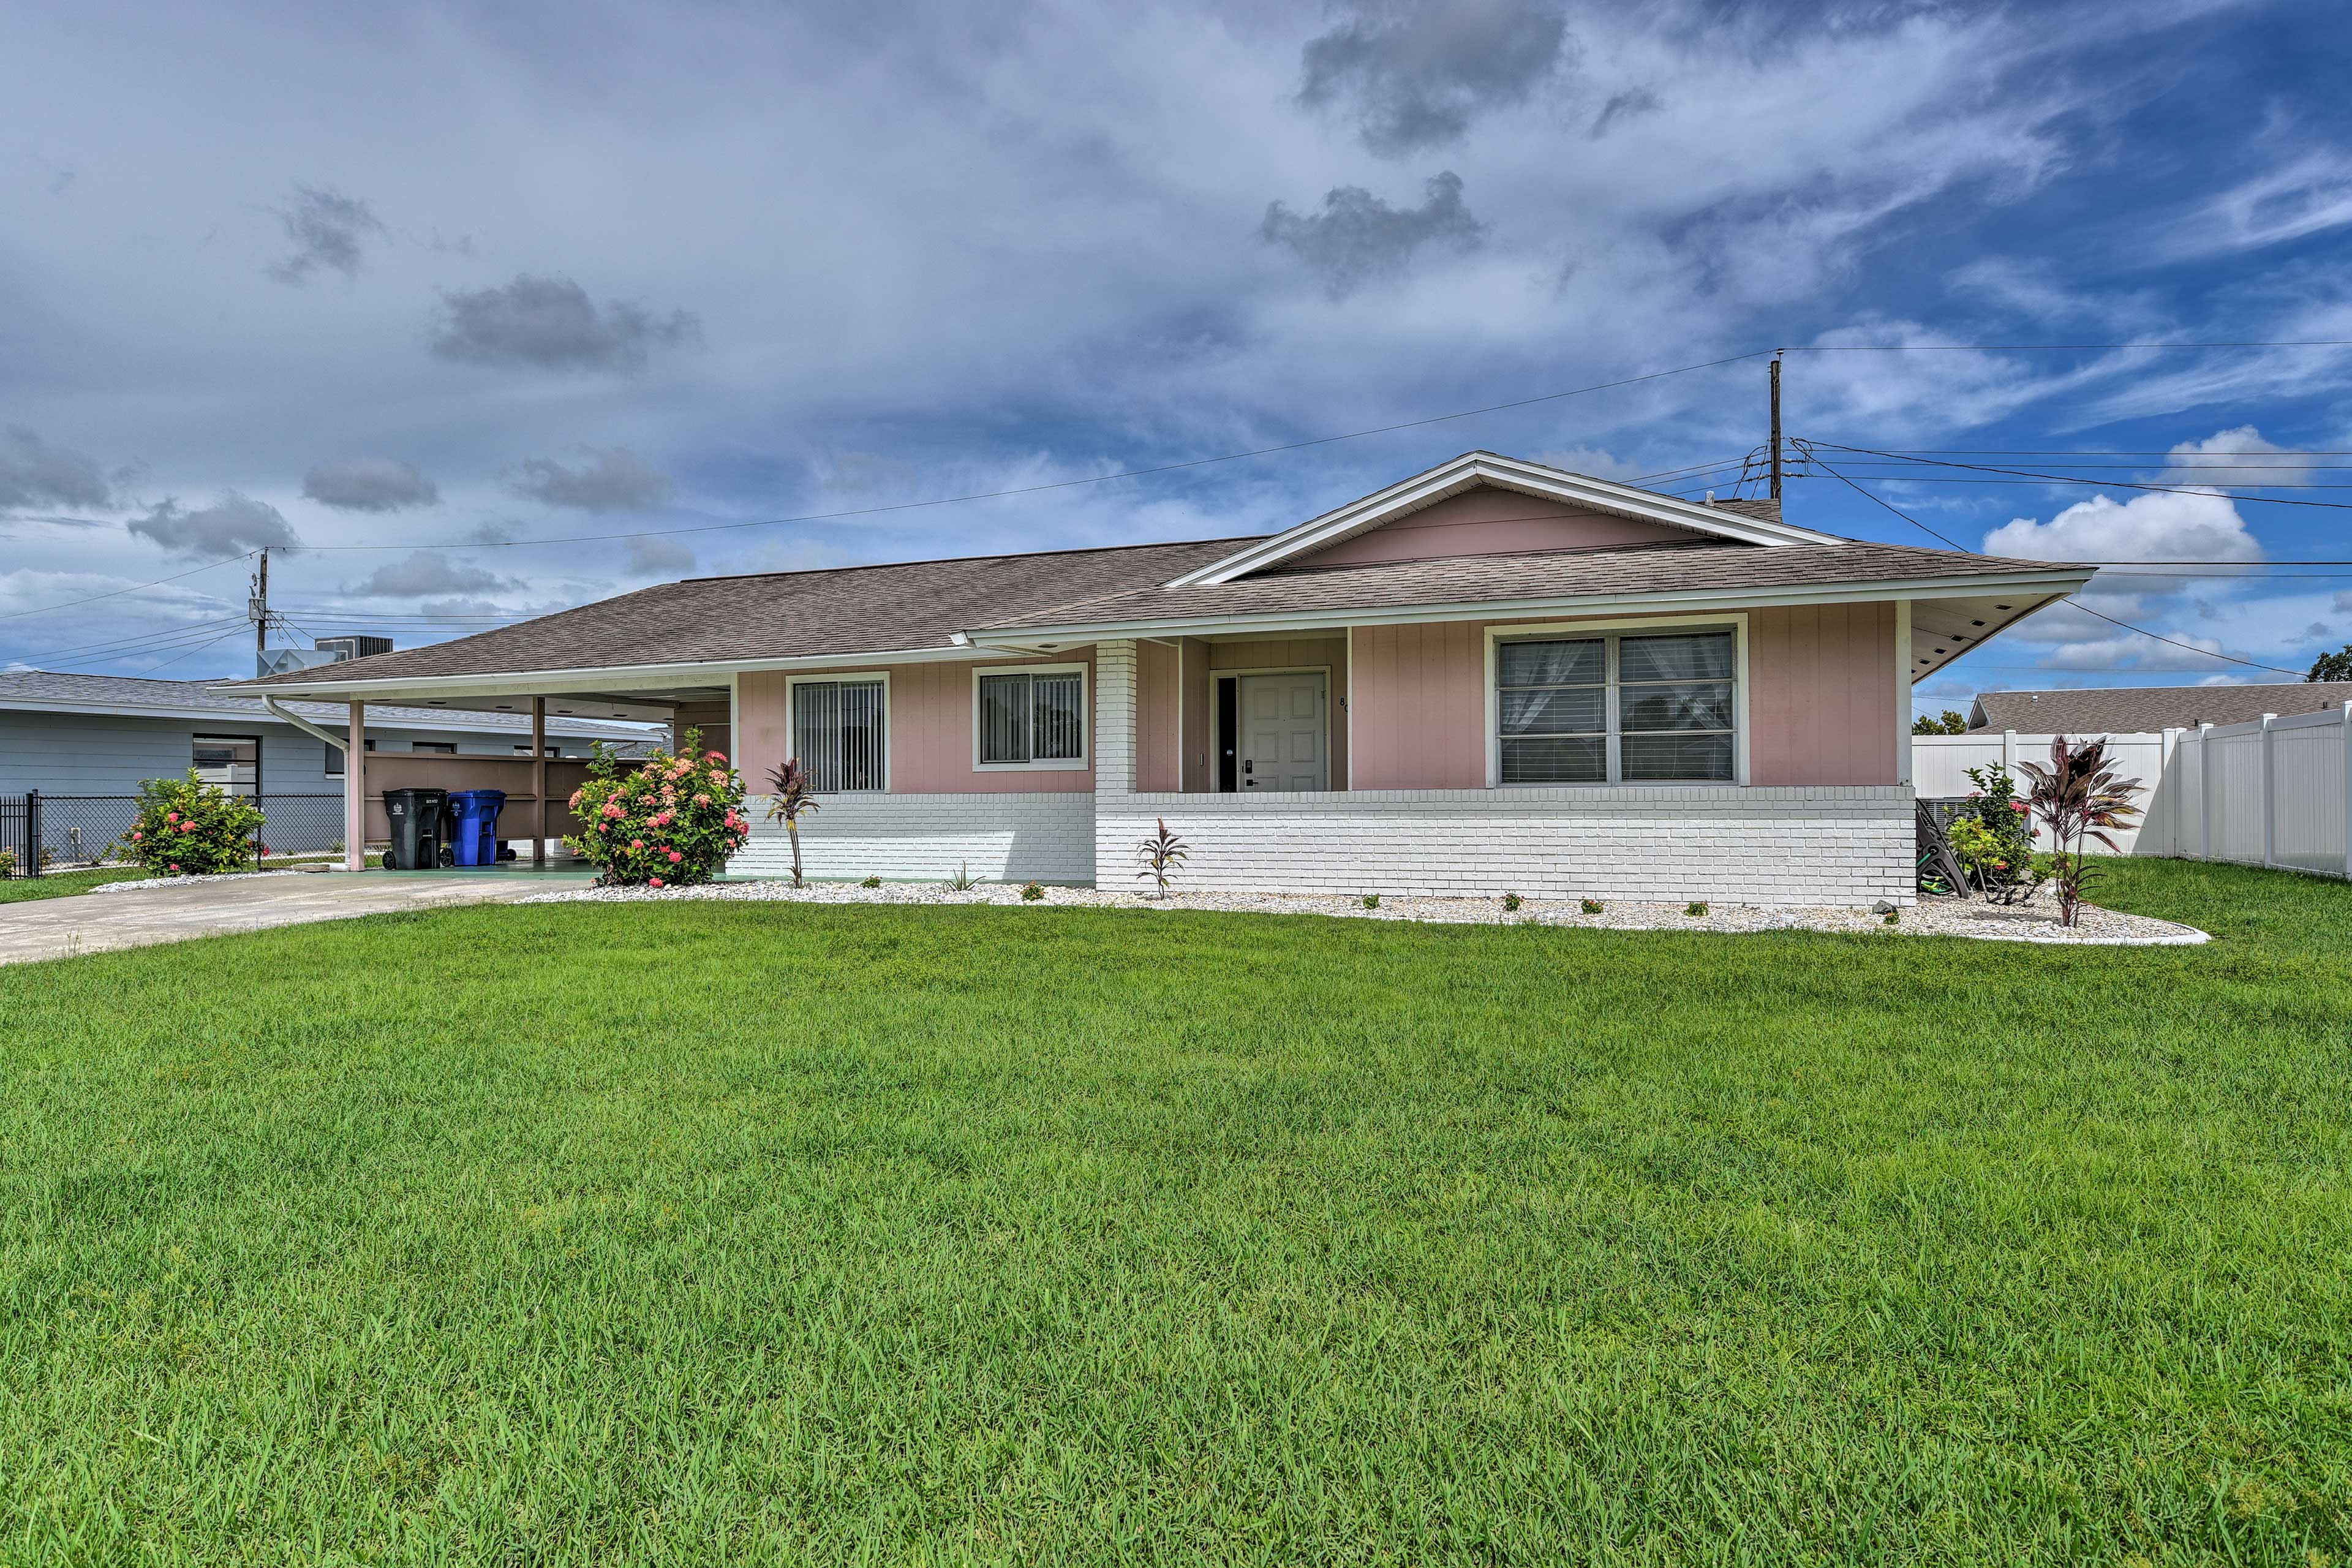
x=187 y=827
x=671 y=823
x=2078 y=798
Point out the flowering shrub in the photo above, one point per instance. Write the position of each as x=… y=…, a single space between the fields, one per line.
x=187 y=827
x=670 y=824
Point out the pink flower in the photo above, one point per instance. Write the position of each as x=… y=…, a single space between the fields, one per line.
x=702 y=800
x=171 y=817
x=2016 y=806
x=654 y=881
x=576 y=800
x=675 y=857
x=175 y=865
x=714 y=756
x=637 y=844
x=611 y=808
x=187 y=827
x=136 y=836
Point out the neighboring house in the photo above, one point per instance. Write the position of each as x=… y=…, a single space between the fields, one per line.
x=1495 y=675
x=102 y=734
x=2148 y=709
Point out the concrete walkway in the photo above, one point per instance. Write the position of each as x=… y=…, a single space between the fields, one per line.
x=98 y=923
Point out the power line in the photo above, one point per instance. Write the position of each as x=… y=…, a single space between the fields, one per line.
x=115 y=593
x=2051 y=348
x=2066 y=479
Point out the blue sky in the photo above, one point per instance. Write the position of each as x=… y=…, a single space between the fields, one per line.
x=416 y=290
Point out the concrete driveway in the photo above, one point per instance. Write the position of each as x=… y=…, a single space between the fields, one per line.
x=97 y=922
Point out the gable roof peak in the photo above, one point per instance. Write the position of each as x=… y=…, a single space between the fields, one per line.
x=1473 y=468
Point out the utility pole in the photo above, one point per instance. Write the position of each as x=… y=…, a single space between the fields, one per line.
x=257 y=609
x=1776 y=440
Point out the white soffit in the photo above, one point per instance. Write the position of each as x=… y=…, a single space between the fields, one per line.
x=1475 y=468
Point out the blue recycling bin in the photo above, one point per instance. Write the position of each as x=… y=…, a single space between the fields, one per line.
x=477 y=836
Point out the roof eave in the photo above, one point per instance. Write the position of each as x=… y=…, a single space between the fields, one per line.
x=608 y=677
x=2058 y=581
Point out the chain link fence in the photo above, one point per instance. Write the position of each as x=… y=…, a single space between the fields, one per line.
x=59 y=832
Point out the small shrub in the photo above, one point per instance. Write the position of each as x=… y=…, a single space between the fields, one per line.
x=1893 y=917
x=963 y=881
x=1696 y=908
x=789 y=798
x=1591 y=906
x=1371 y=901
x=187 y=827
x=669 y=824
x=1032 y=893
x=7 y=863
x=1512 y=902
x=871 y=882
x=1160 y=855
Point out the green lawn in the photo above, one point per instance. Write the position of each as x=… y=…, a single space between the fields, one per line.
x=57 y=884
x=750 y=1233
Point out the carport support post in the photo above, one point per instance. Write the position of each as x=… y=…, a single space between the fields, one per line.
x=355 y=790
x=539 y=781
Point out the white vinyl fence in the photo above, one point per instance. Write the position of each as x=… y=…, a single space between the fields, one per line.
x=2270 y=792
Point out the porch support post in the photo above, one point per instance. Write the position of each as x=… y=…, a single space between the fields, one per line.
x=1902 y=775
x=355 y=790
x=539 y=782
x=1115 y=716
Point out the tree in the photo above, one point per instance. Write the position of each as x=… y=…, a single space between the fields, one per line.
x=789 y=795
x=1951 y=723
x=2332 y=666
x=2078 y=798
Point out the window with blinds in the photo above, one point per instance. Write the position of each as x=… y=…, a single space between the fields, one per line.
x=837 y=734
x=1033 y=717
x=1620 y=709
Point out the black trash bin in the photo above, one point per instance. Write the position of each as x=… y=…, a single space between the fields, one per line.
x=417 y=834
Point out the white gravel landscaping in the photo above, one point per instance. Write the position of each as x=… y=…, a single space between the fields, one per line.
x=186 y=881
x=2037 y=922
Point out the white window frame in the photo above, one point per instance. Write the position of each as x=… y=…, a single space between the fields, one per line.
x=1554 y=631
x=890 y=716
x=1085 y=757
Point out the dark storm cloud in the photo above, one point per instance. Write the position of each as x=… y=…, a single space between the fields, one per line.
x=369 y=484
x=1358 y=237
x=328 y=230
x=615 y=480
x=419 y=573
x=34 y=473
x=549 y=323
x=1414 y=76
x=230 y=525
x=1630 y=104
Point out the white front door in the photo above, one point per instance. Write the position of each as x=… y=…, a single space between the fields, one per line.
x=1283 y=725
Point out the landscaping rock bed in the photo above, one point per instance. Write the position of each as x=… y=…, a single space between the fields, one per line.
x=2036 y=921
x=184 y=881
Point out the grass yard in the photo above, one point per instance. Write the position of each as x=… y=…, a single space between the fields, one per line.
x=733 y=1232
x=57 y=884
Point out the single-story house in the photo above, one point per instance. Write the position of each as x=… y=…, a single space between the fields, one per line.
x=1494 y=676
x=2148 y=709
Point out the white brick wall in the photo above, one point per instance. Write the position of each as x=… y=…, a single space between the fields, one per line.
x=1115 y=711
x=1794 y=845
x=1001 y=837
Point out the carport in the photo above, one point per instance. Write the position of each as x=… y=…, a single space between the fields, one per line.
x=537 y=786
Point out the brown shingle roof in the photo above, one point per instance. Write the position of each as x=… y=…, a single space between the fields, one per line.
x=2143 y=710
x=1545 y=574
x=785 y=615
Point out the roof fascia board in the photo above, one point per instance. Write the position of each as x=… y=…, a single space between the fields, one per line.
x=1405 y=615
x=457 y=718
x=609 y=678
x=1410 y=495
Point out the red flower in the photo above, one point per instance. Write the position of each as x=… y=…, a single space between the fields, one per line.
x=2016 y=806
x=651 y=881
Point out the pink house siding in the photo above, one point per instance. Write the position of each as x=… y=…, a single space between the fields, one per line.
x=1820 y=700
x=1157 y=707
x=929 y=735
x=1489 y=521
x=1419 y=705
x=1200 y=760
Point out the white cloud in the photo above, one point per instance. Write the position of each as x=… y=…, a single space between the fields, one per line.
x=233 y=524
x=369 y=484
x=2162 y=526
x=2235 y=458
x=420 y=573
x=613 y=480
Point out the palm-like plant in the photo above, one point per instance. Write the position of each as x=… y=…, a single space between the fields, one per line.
x=2078 y=798
x=1160 y=855
x=788 y=796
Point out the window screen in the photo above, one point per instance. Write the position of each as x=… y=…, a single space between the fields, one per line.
x=1631 y=709
x=1031 y=718
x=837 y=733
